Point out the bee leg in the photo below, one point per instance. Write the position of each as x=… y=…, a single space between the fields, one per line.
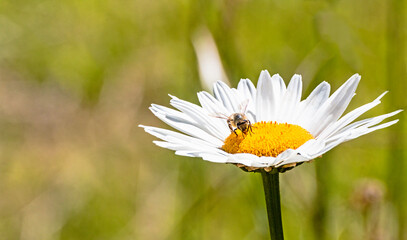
x=250 y=128
x=231 y=128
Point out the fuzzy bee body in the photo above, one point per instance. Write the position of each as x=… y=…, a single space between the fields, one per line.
x=238 y=120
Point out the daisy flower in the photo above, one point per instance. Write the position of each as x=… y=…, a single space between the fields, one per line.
x=282 y=130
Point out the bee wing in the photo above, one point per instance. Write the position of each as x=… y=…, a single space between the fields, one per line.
x=219 y=115
x=243 y=106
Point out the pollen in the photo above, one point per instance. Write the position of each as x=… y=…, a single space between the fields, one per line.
x=267 y=139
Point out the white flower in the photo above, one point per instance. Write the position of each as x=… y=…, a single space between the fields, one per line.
x=319 y=114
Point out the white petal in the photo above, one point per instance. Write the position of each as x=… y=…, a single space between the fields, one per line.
x=251 y=160
x=290 y=100
x=304 y=153
x=184 y=150
x=329 y=147
x=201 y=117
x=310 y=148
x=348 y=118
x=308 y=107
x=363 y=124
x=183 y=123
x=247 y=88
x=227 y=97
x=355 y=133
x=248 y=91
x=352 y=134
x=361 y=132
x=215 y=109
x=335 y=106
x=212 y=157
x=243 y=158
x=177 y=139
x=211 y=104
x=269 y=93
x=294 y=158
x=182 y=144
x=288 y=156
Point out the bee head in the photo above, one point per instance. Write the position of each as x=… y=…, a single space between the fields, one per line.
x=238 y=117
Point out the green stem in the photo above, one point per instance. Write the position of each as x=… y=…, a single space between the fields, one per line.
x=272 y=193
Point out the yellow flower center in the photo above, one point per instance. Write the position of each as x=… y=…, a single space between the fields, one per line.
x=267 y=139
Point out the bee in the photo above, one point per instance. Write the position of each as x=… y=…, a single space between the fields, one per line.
x=238 y=120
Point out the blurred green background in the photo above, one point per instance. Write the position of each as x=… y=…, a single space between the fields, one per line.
x=77 y=77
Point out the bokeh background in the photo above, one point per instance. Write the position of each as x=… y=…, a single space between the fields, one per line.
x=77 y=77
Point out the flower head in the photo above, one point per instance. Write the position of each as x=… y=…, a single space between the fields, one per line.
x=274 y=128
